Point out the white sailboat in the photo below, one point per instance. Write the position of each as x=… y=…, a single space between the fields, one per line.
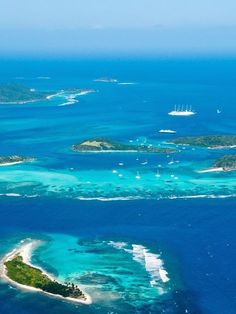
x=181 y=111
x=167 y=131
x=157 y=174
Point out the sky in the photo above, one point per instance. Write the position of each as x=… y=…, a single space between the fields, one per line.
x=91 y=27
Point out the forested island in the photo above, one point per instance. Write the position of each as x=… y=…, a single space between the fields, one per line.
x=209 y=141
x=227 y=162
x=222 y=164
x=18 y=94
x=27 y=275
x=104 y=145
x=12 y=160
x=18 y=269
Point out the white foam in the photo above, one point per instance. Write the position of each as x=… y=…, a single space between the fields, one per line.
x=171 y=197
x=152 y=262
x=68 y=103
x=118 y=245
x=11 y=194
x=18 y=195
x=108 y=199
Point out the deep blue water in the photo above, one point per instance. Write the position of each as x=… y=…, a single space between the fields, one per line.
x=196 y=237
x=199 y=236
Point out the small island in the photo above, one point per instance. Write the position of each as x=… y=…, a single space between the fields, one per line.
x=104 y=145
x=20 y=94
x=208 y=141
x=225 y=163
x=13 y=160
x=18 y=270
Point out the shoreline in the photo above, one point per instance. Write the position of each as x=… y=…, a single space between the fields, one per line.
x=220 y=169
x=11 y=163
x=121 y=151
x=22 y=102
x=25 y=251
x=222 y=147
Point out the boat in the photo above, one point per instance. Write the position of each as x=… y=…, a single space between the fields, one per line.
x=218 y=111
x=171 y=162
x=167 y=131
x=181 y=111
x=144 y=163
x=157 y=174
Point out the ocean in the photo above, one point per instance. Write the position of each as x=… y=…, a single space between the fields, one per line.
x=140 y=232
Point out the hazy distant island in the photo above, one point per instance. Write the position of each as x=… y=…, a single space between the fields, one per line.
x=225 y=163
x=105 y=145
x=19 y=94
x=106 y=80
x=208 y=141
x=18 y=269
x=13 y=160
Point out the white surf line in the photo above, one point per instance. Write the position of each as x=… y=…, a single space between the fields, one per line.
x=152 y=263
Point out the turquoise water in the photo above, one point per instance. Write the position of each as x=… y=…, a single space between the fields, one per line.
x=135 y=112
x=102 y=227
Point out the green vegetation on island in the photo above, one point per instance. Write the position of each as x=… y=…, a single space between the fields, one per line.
x=8 y=160
x=209 y=141
x=17 y=93
x=227 y=162
x=24 y=274
x=103 y=145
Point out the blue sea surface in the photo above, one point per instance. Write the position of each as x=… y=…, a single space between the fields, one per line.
x=141 y=233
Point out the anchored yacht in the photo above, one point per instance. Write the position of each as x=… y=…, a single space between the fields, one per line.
x=181 y=111
x=167 y=131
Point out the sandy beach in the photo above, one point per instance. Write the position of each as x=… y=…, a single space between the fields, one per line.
x=25 y=251
x=222 y=147
x=220 y=169
x=11 y=163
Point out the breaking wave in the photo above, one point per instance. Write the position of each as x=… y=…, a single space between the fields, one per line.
x=152 y=263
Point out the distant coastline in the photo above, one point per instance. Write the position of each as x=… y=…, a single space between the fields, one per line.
x=17 y=94
x=20 y=94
